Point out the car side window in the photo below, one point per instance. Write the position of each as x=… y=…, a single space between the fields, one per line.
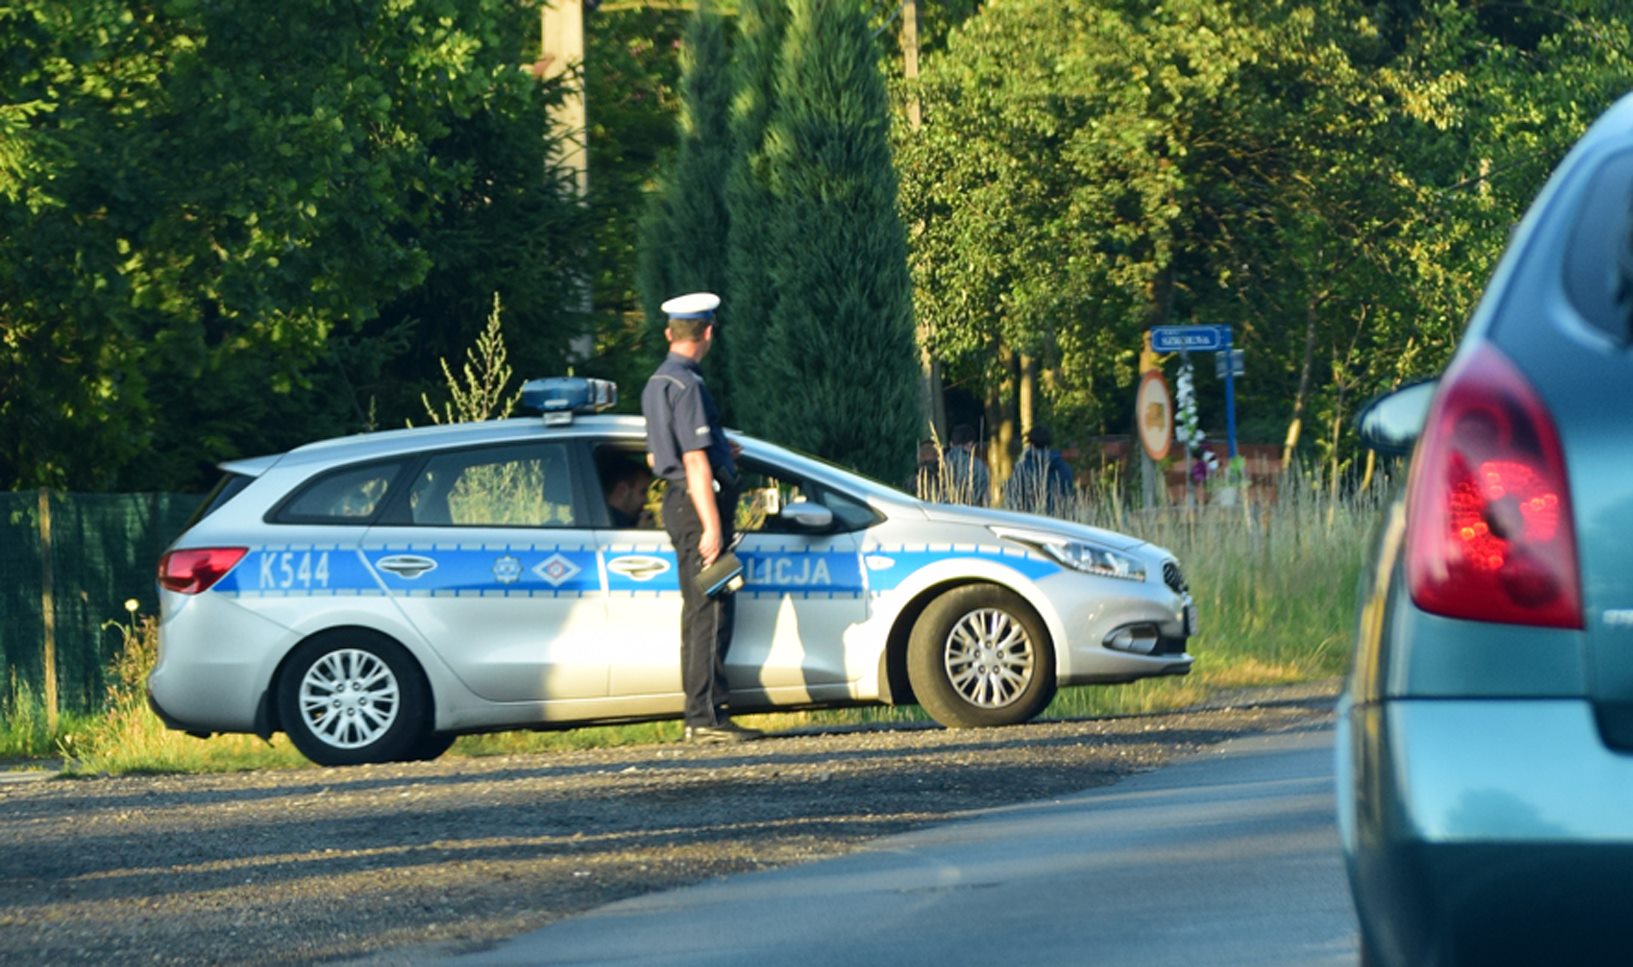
x=1599 y=261
x=631 y=497
x=764 y=491
x=514 y=486
x=347 y=496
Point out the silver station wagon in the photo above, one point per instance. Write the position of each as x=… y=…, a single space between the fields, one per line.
x=376 y=596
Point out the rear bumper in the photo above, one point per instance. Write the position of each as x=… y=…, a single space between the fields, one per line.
x=170 y=721
x=1486 y=831
x=215 y=664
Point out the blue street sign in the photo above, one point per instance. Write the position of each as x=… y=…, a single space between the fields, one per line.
x=1205 y=339
x=1173 y=339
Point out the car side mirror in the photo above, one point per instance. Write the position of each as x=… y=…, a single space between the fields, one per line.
x=1391 y=423
x=808 y=516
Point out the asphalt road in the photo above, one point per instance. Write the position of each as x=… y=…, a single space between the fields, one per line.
x=1228 y=857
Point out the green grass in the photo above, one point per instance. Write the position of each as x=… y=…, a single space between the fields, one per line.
x=26 y=731
x=1274 y=585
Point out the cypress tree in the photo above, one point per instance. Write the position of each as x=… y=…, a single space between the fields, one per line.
x=840 y=349
x=750 y=297
x=684 y=231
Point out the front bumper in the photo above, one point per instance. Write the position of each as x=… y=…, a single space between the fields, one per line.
x=1486 y=831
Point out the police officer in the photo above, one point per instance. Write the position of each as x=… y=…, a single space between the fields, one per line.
x=688 y=448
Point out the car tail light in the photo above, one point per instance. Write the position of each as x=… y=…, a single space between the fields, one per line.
x=1489 y=527
x=197 y=570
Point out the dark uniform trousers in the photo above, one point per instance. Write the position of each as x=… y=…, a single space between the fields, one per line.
x=705 y=623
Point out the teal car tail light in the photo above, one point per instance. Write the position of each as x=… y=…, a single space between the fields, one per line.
x=1489 y=531
x=196 y=570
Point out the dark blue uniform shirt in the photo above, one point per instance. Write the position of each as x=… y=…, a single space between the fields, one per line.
x=681 y=416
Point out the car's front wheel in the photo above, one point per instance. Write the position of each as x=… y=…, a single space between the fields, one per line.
x=351 y=697
x=979 y=656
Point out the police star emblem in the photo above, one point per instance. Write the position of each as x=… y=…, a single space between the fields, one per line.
x=507 y=570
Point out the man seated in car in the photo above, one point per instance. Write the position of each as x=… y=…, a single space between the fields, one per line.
x=625 y=479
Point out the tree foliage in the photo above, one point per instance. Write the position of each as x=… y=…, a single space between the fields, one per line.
x=761 y=26
x=224 y=224
x=1333 y=179
x=684 y=231
x=839 y=360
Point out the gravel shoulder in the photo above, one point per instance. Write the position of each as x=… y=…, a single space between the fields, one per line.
x=371 y=863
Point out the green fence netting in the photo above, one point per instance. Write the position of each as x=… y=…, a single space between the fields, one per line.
x=103 y=552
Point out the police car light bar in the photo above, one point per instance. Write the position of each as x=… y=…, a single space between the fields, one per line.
x=559 y=398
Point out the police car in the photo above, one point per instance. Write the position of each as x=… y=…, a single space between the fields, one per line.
x=377 y=595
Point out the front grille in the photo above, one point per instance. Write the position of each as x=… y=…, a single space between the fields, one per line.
x=1172 y=577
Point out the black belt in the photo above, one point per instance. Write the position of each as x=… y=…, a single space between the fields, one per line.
x=721 y=483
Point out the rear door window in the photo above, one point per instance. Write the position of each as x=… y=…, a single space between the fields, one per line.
x=526 y=485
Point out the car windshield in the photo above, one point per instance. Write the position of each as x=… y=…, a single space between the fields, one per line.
x=859 y=483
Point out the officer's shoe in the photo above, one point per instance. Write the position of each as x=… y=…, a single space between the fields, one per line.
x=725 y=732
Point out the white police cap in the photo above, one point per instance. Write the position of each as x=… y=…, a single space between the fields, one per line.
x=693 y=305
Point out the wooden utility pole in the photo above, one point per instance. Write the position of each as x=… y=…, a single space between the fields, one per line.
x=561 y=51
x=48 y=611
x=932 y=404
x=561 y=55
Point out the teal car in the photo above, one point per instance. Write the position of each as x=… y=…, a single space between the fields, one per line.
x=1485 y=736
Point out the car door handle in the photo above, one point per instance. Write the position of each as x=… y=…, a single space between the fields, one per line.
x=406 y=565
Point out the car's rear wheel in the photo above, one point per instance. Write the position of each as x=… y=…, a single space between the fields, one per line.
x=979 y=656
x=349 y=697
x=430 y=746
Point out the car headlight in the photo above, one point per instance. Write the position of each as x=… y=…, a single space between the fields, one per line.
x=1079 y=555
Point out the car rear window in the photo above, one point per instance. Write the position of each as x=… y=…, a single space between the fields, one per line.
x=351 y=495
x=1599 y=262
x=224 y=490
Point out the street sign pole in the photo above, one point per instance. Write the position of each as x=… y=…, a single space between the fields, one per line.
x=1208 y=339
x=1230 y=394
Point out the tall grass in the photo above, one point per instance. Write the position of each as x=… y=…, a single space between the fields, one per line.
x=26 y=730
x=1273 y=582
x=128 y=737
x=1274 y=586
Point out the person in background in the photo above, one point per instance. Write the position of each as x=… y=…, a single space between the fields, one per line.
x=1041 y=483
x=926 y=482
x=966 y=474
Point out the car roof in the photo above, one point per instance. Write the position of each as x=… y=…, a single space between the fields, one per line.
x=384 y=444
x=381 y=444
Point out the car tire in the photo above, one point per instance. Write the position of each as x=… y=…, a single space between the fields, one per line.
x=979 y=656
x=350 y=697
x=432 y=745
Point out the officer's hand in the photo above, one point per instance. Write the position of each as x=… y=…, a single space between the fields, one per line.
x=708 y=545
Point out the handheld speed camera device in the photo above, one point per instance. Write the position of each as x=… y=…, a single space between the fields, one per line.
x=725 y=575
